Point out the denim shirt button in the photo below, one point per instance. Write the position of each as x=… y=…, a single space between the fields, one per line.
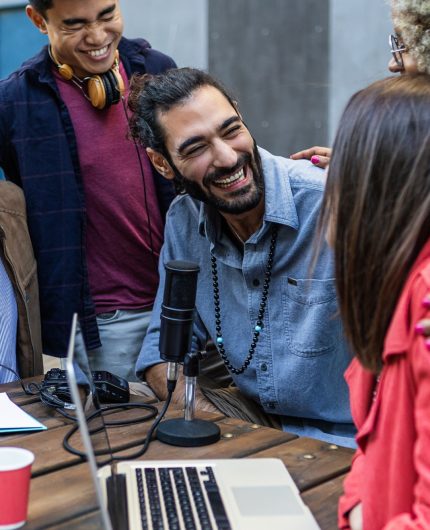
x=263 y=367
x=255 y=282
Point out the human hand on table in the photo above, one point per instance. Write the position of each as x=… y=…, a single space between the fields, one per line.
x=156 y=379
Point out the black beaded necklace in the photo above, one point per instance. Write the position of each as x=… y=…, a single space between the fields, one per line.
x=259 y=325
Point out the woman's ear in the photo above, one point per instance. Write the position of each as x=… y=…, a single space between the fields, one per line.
x=160 y=163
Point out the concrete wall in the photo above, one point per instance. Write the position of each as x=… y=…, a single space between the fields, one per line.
x=275 y=57
x=294 y=63
x=178 y=28
x=359 y=51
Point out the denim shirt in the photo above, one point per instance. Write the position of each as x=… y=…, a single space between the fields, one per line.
x=298 y=365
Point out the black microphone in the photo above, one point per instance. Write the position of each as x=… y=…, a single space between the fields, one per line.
x=177 y=315
x=176 y=333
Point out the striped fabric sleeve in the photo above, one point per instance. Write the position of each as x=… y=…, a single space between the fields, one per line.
x=8 y=327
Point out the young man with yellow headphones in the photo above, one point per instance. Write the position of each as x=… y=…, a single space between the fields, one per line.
x=95 y=206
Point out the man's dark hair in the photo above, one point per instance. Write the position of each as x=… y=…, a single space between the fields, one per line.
x=42 y=6
x=152 y=94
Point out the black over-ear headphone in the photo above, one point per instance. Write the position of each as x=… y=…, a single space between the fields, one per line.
x=102 y=90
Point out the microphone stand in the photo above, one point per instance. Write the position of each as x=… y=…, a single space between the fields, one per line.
x=188 y=431
x=191 y=370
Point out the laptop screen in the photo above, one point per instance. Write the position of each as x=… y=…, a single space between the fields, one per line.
x=78 y=365
x=91 y=438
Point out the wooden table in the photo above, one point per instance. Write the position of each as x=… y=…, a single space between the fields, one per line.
x=62 y=495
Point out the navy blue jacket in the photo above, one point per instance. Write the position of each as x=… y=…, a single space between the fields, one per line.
x=38 y=151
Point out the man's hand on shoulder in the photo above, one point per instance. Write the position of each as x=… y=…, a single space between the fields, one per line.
x=156 y=379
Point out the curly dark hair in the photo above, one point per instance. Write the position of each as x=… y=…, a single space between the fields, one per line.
x=151 y=94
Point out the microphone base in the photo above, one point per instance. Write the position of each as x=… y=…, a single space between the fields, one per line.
x=188 y=433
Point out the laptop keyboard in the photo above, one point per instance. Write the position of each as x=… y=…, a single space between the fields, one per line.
x=176 y=498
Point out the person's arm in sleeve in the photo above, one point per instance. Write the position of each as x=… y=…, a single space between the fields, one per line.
x=155 y=374
x=419 y=518
x=153 y=370
x=149 y=366
x=351 y=488
x=8 y=169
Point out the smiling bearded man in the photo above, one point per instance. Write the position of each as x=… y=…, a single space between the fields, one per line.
x=229 y=179
x=248 y=220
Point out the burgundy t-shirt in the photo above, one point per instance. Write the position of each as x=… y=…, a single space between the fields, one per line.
x=122 y=272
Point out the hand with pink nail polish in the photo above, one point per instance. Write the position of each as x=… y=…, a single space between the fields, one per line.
x=319 y=156
x=423 y=326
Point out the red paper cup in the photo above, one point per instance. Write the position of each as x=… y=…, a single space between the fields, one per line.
x=15 y=471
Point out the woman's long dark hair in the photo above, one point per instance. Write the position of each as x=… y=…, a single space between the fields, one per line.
x=376 y=206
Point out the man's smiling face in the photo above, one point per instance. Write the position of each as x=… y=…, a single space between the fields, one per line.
x=212 y=152
x=83 y=34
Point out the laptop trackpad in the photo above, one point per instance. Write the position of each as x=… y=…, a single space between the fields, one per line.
x=258 y=501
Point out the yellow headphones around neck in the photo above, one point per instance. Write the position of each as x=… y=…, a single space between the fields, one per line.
x=102 y=90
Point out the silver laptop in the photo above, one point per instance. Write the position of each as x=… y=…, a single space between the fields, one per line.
x=231 y=494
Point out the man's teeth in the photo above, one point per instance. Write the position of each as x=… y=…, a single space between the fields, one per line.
x=224 y=183
x=97 y=53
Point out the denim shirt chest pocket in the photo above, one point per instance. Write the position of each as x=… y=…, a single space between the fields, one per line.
x=310 y=315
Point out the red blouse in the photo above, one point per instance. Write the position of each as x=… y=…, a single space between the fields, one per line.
x=390 y=474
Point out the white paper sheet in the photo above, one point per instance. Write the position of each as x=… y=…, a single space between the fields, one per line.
x=13 y=418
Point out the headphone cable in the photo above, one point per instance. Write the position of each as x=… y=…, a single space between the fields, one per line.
x=139 y=158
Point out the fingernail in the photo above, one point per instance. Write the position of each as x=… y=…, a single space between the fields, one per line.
x=427 y=343
x=426 y=303
x=419 y=328
x=315 y=160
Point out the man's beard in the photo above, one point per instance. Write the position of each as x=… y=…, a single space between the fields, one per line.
x=242 y=200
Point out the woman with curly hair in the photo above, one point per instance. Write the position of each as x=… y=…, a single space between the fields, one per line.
x=410 y=49
x=376 y=214
x=411 y=42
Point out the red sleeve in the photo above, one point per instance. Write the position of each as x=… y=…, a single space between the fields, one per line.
x=351 y=487
x=419 y=519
